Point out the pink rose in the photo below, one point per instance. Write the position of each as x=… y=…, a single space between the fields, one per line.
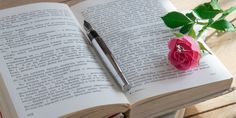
x=184 y=52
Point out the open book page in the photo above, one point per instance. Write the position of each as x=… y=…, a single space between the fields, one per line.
x=47 y=66
x=138 y=38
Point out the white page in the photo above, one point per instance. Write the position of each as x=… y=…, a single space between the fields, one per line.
x=47 y=66
x=138 y=38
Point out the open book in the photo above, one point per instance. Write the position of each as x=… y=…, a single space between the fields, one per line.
x=176 y=114
x=48 y=68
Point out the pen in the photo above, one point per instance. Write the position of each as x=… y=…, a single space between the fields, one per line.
x=106 y=56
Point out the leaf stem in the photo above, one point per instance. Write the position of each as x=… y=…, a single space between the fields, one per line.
x=202 y=31
x=202 y=23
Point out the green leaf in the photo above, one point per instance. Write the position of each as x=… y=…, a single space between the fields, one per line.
x=227 y=12
x=186 y=28
x=179 y=34
x=206 y=11
x=175 y=19
x=203 y=48
x=215 y=5
x=192 y=33
x=223 y=25
x=191 y=16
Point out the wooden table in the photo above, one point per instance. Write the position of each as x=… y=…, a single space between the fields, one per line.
x=224 y=47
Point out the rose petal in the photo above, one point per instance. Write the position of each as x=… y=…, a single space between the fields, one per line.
x=172 y=43
x=187 y=56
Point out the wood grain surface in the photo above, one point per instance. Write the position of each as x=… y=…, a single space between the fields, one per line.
x=223 y=46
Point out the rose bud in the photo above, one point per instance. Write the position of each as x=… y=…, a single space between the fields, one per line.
x=184 y=52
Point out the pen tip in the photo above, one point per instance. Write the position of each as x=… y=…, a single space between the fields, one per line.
x=87 y=25
x=85 y=22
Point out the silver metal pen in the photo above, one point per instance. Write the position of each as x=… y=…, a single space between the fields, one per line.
x=106 y=56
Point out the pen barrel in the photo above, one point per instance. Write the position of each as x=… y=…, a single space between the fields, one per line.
x=126 y=85
x=110 y=62
x=107 y=57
